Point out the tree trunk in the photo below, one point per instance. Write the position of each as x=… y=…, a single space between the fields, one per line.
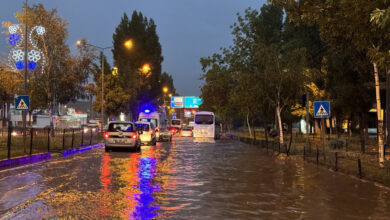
x=266 y=132
x=362 y=136
x=380 y=119
x=280 y=126
x=249 y=126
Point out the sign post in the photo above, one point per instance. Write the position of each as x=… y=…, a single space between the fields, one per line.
x=322 y=110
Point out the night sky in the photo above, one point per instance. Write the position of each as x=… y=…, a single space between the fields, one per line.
x=188 y=30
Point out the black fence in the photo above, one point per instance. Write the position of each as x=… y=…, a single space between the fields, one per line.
x=40 y=140
x=361 y=165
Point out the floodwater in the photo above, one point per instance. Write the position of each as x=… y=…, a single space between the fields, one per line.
x=186 y=180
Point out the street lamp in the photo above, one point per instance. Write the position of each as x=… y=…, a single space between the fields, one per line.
x=128 y=44
x=165 y=89
x=102 y=49
x=115 y=71
x=145 y=68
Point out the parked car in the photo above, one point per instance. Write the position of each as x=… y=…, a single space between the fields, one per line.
x=148 y=135
x=186 y=132
x=121 y=134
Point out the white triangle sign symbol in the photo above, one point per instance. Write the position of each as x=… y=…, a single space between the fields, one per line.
x=322 y=112
x=22 y=105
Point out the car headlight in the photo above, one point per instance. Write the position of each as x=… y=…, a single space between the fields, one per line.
x=14 y=133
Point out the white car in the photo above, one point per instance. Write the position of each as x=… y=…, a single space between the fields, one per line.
x=121 y=134
x=148 y=135
x=186 y=132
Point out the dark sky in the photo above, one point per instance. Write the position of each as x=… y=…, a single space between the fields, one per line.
x=188 y=30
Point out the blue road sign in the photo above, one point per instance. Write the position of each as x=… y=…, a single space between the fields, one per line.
x=22 y=102
x=192 y=102
x=177 y=102
x=322 y=109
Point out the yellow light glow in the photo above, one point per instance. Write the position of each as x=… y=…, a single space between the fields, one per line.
x=129 y=44
x=145 y=68
x=170 y=94
x=165 y=89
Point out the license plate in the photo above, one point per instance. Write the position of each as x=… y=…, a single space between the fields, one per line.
x=120 y=141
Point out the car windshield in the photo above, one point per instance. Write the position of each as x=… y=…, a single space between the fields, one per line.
x=144 y=127
x=175 y=122
x=124 y=127
x=204 y=119
x=151 y=120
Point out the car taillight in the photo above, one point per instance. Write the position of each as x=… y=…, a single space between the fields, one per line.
x=106 y=135
x=134 y=136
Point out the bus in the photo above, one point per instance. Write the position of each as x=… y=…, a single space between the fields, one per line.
x=206 y=125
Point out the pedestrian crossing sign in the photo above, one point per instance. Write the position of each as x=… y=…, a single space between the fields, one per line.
x=22 y=102
x=322 y=109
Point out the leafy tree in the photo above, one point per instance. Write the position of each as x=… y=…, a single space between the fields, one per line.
x=115 y=98
x=343 y=26
x=143 y=87
x=63 y=78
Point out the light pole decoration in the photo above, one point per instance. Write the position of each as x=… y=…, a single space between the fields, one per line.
x=17 y=54
x=20 y=57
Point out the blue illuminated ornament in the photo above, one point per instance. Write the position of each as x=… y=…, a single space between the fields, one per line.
x=13 y=39
x=19 y=65
x=32 y=65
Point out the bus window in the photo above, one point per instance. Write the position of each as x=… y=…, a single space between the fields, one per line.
x=204 y=119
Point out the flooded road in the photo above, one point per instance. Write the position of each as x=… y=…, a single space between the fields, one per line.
x=186 y=180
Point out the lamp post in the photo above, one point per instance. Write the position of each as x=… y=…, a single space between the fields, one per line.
x=128 y=44
x=102 y=49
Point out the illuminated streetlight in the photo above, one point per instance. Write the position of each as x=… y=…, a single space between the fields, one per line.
x=78 y=42
x=165 y=89
x=128 y=44
x=145 y=68
x=170 y=94
x=115 y=71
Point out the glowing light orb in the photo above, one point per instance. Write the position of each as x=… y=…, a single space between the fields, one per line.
x=32 y=65
x=19 y=65
x=13 y=39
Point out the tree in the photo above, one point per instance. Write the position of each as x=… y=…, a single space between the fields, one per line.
x=343 y=26
x=115 y=97
x=144 y=87
x=63 y=77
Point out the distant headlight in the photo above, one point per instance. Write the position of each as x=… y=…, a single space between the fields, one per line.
x=85 y=130
x=14 y=133
x=94 y=129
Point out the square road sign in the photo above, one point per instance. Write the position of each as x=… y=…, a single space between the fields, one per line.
x=322 y=109
x=22 y=102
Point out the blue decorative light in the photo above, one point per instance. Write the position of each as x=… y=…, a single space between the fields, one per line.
x=32 y=65
x=19 y=65
x=147 y=111
x=13 y=39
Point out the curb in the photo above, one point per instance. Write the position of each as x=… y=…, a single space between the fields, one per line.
x=36 y=158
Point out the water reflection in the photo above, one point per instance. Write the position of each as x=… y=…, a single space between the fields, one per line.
x=105 y=180
x=146 y=208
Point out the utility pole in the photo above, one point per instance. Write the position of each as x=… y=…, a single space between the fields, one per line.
x=102 y=103
x=307 y=122
x=387 y=132
x=25 y=74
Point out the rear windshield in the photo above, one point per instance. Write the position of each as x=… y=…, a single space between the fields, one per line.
x=151 y=120
x=204 y=119
x=187 y=129
x=175 y=122
x=124 y=127
x=144 y=127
